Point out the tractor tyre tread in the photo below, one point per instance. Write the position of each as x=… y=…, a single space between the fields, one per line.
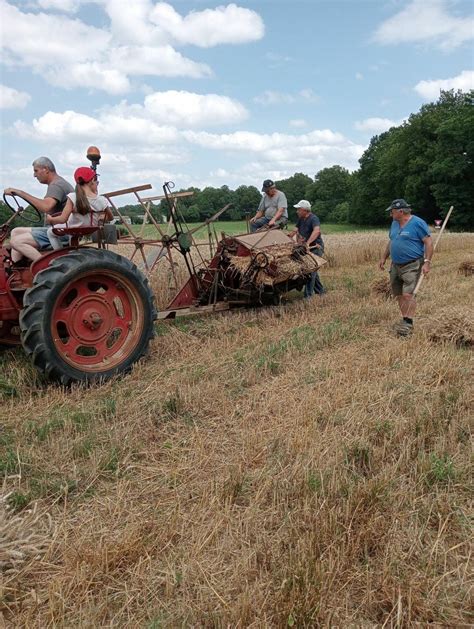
x=36 y=299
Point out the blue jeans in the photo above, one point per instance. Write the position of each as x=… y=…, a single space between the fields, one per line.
x=261 y=222
x=313 y=285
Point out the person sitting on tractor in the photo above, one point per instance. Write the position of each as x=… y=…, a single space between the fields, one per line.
x=273 y=208
x=84 y=207
x=28 y=241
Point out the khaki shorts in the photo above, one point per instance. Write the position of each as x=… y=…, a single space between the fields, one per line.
x=403 y=277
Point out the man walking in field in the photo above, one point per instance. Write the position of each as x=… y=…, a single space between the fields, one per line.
x=273 y=208
x=411 y=248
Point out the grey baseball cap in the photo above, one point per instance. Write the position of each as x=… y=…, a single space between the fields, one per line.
x=398 y=204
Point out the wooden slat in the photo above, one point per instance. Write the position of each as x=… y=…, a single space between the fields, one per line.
x=193 y=310
x=117 y=193
x=171 y=196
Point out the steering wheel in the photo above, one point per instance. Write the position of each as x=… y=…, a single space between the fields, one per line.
x=28 y=213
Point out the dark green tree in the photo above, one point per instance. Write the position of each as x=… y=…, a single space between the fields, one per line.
x=428 y=161
x=331 y=187
x=295 y=189
x=245 y=199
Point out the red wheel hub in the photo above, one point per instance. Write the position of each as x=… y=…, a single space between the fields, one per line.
x=96 y=321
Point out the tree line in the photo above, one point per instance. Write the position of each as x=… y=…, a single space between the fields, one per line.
x=428 y=160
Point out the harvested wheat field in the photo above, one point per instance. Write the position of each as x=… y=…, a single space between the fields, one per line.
x=289 y=466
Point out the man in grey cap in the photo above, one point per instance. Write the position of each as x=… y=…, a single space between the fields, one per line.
x=411 y=248
x=272 y=210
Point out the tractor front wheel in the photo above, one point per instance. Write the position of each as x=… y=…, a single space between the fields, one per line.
x=87 y=317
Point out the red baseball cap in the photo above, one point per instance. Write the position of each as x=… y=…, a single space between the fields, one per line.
x=84 y=174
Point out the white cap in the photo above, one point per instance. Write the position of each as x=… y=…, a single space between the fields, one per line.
x=306 y=205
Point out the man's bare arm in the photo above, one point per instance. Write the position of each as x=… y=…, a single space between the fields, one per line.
x=278 y=215
x=428 y=242
x=313 y=236
x=386 y=254
x=43 y=205
x=259 y=214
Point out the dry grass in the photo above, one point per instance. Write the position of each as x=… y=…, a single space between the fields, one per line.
x=296 y=465
x=381 y=287
x=24 y=537
x=453 y=325
x=466 y=268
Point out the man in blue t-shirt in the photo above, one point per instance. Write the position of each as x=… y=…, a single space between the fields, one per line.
x=308 y=229
x=411 y=248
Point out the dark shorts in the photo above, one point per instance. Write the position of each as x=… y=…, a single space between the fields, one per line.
x=403 y=277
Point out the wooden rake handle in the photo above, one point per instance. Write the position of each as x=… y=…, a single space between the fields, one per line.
x=420 y=279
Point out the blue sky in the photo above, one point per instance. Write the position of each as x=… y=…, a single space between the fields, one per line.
x=204 y=93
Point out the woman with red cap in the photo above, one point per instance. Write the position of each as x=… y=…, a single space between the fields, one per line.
x=84 y=207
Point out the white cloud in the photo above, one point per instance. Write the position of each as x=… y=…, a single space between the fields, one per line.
x=429 y=90
x=284 y=152
x=190 y=109
x=138 y=42
x=157 y=24
x=223 y=25
x=297 y=123
x=34 y=39
x=377 y=125
x=220 y=173
x=426 y=21
x=68 y=6
x=270 y=97
x=149 y=141
x=261 y=142
x=359 y=76
x=133 y=25
x=88 y=75
x=11 y=98
x=157 y=61
x=73 y=126
x=154 y=122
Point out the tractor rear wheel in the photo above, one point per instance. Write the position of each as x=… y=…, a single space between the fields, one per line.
x=87 y=317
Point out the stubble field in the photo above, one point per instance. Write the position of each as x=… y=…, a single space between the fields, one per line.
x=289 y=466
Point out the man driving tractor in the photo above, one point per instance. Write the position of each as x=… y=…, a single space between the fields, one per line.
x=29 y=241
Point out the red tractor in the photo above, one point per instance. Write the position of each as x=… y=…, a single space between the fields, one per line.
x=82 y=313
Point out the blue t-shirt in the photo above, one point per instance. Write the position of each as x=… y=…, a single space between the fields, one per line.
x=406 y=243
x=305 y=228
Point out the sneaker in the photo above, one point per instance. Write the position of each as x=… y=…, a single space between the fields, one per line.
x=404 y=329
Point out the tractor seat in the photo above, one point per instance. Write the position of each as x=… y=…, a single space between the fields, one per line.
x=102 y=234
x=75 y=233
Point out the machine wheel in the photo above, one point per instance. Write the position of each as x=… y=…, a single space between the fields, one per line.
x=87 y=317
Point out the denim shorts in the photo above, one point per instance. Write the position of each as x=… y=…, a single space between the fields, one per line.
x=40 y=236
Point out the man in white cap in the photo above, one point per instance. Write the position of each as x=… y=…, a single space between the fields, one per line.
x=308 y=230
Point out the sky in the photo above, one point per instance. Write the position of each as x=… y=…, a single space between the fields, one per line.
x=203 y=93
